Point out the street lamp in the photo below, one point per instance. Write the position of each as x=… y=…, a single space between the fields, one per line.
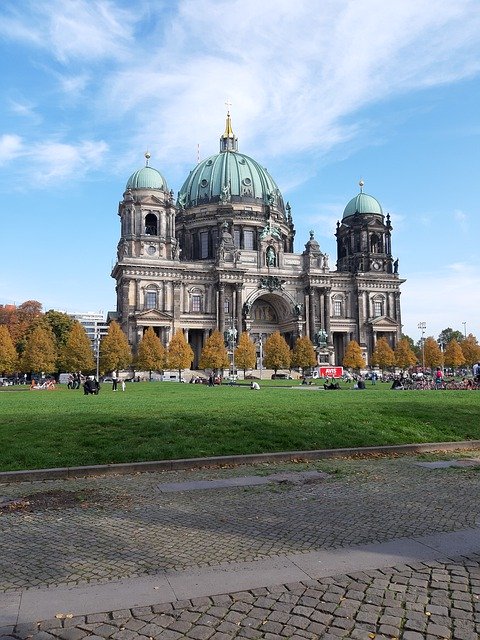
x=231 y=338
x=422 y=326
x=97 y=349
x=260 y=344
x=464 y=329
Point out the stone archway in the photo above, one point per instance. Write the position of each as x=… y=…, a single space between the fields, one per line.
x=269 y=313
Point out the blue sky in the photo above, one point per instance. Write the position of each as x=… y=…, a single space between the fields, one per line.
x=323 y=94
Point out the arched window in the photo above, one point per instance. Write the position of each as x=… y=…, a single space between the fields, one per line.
x=378 y=306
x=196 y=301
x=338 y=306
x=375 y=243
x=151 y=225
x=151 y=299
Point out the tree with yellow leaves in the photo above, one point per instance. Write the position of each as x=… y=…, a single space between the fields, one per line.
x=404 y=354
x=303 y=355
x=245 y=353
x=432 y=354
x=214 y=353
x=470 y=350
x=277 y=352
x=152 y=355
x=115 y=352
x=383 y=355
x=8 y=353
x=453 y=356
x=353 y=358
x=179 y=354
x=40 y=354
x=77 y=354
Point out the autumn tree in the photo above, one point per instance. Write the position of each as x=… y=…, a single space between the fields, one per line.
x=152 y=355
x=60 y=324
x=383 y=355
x=214 y=353
x=303 y=355
x=8 y=353
x=453 y=356
x=415 y=348
x=470 y=350
x=76 y=354
x=277 y=352
x=246 y=353
x=115 y=352
x=431 y=353
x=179 y=353
x=353 y=358
x=39 y=354
x=404 y=355
x=448 y=334
x=21 y=320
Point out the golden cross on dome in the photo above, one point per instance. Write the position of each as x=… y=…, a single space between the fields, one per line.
x=228 y=104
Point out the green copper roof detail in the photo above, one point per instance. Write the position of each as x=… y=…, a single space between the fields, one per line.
x=147 y=178
x=229 y=176
x=363 y=203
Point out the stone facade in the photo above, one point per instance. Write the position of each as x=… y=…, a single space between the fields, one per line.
x=222 y=257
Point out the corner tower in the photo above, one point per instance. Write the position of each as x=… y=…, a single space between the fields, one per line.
x=364 y=236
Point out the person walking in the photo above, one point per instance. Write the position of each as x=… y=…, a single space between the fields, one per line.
x=114 y=381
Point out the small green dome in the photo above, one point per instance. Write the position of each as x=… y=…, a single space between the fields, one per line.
x=363 y=203
x=147 y=178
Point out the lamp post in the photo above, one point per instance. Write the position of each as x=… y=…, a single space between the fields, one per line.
x=232 y=335
x=464 y=329
x=422 y=326
x=260 y=344
x=97 y=349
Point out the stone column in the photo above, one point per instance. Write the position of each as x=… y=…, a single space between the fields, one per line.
x=311 y=312
x=327 y=291
x=221 y=308
x=239 y=311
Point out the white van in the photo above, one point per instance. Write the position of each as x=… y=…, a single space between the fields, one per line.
x=172 y=377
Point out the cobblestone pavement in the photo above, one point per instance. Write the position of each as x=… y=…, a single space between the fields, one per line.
x=125 y=526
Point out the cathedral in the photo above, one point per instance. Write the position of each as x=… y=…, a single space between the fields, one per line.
x=222 y=257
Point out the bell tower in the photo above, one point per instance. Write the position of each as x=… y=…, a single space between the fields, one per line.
x=364 y=237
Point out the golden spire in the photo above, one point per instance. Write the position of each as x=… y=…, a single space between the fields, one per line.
x=228 y=141
x=228 y=126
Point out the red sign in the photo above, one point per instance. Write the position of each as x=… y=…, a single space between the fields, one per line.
x=331 y=372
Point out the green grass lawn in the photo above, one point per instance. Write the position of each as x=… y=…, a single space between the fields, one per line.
x=164 y=421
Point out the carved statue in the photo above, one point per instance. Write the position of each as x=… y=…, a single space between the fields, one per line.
x=225 y=197
x=395 y=266
x=321 y=338
x=297 y=310
x=271 y=258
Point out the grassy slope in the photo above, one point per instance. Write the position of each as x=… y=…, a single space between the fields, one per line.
x=155 y=421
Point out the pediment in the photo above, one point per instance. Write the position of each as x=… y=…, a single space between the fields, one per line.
x=153 y=315
x=383 y=322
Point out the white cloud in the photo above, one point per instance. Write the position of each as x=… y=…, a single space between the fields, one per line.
x=287 y=67
x=86 y=29
x=46 y=161
x=458 y=302
x=10 y=147
x=461 y=218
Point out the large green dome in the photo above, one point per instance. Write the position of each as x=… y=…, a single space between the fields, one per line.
x=363 y=203
x=229 y=176
x=147 y=178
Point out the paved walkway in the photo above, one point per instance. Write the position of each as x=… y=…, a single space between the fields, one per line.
x=333 y=549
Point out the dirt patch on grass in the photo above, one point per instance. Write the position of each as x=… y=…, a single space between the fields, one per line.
x=55 y=499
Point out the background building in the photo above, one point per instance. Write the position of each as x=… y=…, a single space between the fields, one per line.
x=222 y=257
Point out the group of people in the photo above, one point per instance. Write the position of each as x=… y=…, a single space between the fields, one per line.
x=74 y=380
x=48 y=384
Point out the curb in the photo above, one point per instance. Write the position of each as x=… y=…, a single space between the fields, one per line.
x=127 y=468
